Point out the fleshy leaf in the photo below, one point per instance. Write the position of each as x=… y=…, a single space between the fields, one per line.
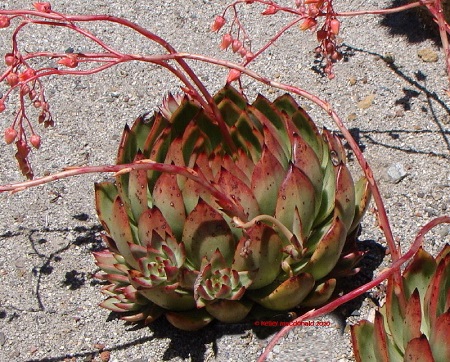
x=287 y=295
x=296 y=191
x=205 y=230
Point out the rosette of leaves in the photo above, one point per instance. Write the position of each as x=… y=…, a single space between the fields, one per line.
x=253 y=207
x=414 y=322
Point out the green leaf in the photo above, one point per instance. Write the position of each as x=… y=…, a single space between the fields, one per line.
x=204 y=231
x=169 y=299
x=418 y=350
x=259 y=250
x=362 y=341
x=286 y=295
x=191 y=320
x=137 y=190
x=327 y=251
x=320 y=295
x=169 y=200
x=345 y=195
x=296 y=191
x=439 y=340
x=363 y=195
x=229 y=311
x=413 y=318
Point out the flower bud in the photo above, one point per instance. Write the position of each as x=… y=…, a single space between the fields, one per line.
x=270 y=10
x=233 y=75
x=242 y=52
x=4 y=21
x=236 y=45
x=70 y=61
x=35 y=140
x=335 y=24
x=27 y=74
x=321 y=35
x=226 y=41
x=308 y=23
x=45 y=7
x=10 y=135
x=12 y=79
x=10 y=59
x=219 y=21
x=24 y=90
x=2 y=105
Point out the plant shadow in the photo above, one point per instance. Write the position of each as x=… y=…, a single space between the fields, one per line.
x=414 y=24
x=416 y=87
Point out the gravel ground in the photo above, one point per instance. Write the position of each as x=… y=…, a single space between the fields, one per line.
x=392 y=99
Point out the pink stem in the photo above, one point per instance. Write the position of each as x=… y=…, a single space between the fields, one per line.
x=228 y=205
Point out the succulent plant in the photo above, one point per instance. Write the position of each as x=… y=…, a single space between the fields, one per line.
x=414 y=322
x=254 y=207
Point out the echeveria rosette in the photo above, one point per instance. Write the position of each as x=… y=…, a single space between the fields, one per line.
x=266 y=214
x=414 y=322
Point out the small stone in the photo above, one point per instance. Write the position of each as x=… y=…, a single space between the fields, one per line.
x=352 y=81
x=351 y=117
x=396 y=173
x=366 y=102
x=389 y=58
x=428 y=55
x=431 y=212
x=105 y=356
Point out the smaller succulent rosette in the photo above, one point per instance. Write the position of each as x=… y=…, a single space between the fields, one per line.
x=414 y=322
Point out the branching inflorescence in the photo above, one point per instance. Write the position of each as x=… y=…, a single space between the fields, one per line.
x=318 y=16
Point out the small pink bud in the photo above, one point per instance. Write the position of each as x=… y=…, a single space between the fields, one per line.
x=270 y=10
x=236 y=45
x=335 y=24
x=233 y=75
x=308 y=23
x=32 y=95
x=226 y=41
x=12 y=79
x=35 y=140
x=24 y=90
x=70 y=61
x=4 y=21
x=45 y=7
x=27 y=74
x=242 y=51
x=2 y=105
x=10 y=59
x=219 y=21
x=10 y=135
x=321 y=35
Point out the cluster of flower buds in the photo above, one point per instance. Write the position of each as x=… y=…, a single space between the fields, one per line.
x=327 y=34
x=24 y=78
x=229 y=41
x=328 y=47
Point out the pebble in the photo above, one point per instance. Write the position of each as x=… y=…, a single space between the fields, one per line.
x=428 y=55
x=396 y=172
x=2 y=338
x=366 y=102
